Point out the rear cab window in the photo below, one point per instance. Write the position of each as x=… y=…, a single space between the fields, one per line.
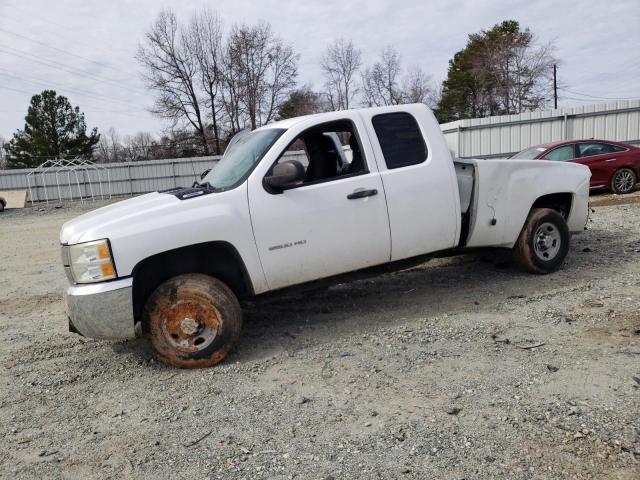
x=400 y=139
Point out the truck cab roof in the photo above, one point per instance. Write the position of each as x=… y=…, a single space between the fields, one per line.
x=340 y=114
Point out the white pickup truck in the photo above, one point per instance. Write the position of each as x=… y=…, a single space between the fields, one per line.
x=300 y=200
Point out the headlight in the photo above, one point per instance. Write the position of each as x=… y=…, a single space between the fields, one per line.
x=91 y=262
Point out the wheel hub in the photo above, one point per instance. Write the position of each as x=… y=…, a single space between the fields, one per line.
x=624 y=181
x=190 y=326
x=547 y=241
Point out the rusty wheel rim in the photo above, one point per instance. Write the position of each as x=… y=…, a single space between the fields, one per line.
x=190 y=326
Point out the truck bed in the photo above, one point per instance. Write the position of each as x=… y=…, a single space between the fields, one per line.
x=496 y=196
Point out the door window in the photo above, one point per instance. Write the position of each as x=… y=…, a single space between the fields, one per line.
x=592 y=149
x=400 y=139
x=327 y=152
x=561 y=154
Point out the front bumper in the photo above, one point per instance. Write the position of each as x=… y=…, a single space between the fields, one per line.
x=102 y=310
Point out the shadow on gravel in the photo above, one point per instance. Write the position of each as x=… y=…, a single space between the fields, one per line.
x=285 y=320
x=474 y=281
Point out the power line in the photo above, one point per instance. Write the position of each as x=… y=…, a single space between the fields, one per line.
x=73 y=71
x=16 y=89
x=59 y=27
x=586 y=100
x=66 y=52
x=596 y=97
x=78 y=91
x=618 y=70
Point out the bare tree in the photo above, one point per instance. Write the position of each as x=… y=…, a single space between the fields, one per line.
x=138 y=147
x=206 y=45
x=416 y=88
x=173 y=72
x=340 y=65
x=384 y=84
x=521 y=71
x=260 y=71
x=109 y=148
x=232 y=93
x=381 y=81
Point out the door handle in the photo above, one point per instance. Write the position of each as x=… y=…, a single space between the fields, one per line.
x=611 y=160
x=362 y=194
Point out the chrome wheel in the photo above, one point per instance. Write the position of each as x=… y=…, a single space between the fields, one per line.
x=623 y=181
x=547 y=241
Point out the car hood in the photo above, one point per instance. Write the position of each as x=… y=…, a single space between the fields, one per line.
x=124 y=215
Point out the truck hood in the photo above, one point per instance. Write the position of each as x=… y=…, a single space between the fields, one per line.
x=99 y=223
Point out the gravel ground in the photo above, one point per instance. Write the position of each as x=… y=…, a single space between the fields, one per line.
x=459 y=368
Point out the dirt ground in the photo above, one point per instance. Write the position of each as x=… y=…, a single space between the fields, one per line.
x=459 y=368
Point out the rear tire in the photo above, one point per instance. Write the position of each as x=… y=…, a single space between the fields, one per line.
x=1 y=205
x=623 y=181
x=194 y=320
x=543 y=243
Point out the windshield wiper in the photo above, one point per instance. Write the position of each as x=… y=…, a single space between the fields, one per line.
x=205 y=185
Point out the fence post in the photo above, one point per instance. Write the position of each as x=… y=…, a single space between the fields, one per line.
x=130 y=179
x=173 y=172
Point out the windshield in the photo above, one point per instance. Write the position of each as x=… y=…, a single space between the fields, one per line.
x=530 y=153
x=238 y=162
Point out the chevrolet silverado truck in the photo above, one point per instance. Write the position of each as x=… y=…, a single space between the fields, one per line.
x=300 y=200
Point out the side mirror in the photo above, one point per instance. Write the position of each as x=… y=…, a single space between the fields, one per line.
x=205 y=173
x=285 y=175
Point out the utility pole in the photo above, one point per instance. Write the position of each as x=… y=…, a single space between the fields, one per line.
x=555 y=87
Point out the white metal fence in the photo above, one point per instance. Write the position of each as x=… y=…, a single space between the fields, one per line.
x=131 y=178
x=502 y=136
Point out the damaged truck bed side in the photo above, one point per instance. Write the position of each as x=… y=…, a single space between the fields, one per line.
x=300 y=200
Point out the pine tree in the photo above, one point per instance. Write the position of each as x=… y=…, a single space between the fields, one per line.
x=53 y=129
x=500 y=71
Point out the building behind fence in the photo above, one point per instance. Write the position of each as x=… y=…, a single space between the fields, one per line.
x=502 y=136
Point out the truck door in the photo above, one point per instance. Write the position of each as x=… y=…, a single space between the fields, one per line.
x=334 y=220
x=419 y=180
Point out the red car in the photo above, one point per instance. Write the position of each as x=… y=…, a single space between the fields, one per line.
x=614 y=166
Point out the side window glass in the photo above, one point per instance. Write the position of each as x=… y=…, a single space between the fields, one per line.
x=400 y=139
x=591 y=149
x=561 y=154
x=327 y=152
x=617 y=148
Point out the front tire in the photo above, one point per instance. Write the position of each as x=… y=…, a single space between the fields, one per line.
x=194 y=320
x=623 y=181
x=543 y=243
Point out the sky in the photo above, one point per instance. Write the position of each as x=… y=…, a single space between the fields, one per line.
x=84 y=49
